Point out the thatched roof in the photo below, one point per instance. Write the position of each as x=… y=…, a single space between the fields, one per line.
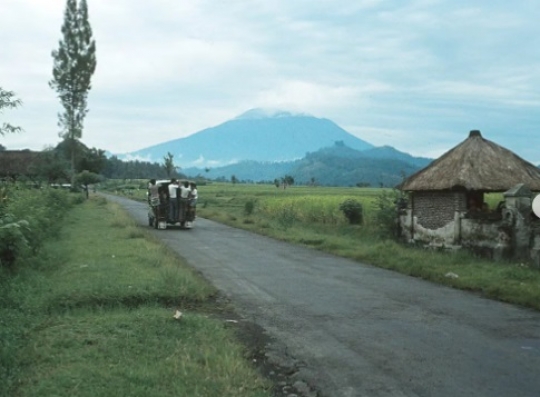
x=475 y=164
x=14 y=163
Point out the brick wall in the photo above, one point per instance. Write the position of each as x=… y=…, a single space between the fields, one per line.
x=435 y=209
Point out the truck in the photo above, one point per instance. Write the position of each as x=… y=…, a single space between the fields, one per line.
x=159 y=208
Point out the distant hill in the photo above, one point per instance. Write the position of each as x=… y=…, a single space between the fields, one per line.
x=256 y=135
x=388 y=152
x=340 y=165
x=248 y=170
x=336 y=165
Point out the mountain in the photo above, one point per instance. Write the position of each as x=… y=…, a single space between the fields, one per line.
x=388 y=152
x=247 y=170
x=257 y=134
x=336 y=165
x=340 y=165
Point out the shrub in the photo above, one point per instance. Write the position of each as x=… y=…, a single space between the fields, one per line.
x=27 y=218
x=386 y=214
x=77 y=198
x=353 y=211
x=249 y=207
x=13 y=241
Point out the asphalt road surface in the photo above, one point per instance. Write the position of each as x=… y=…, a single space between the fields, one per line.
x=363 y=331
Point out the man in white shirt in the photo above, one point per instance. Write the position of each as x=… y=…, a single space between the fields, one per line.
x=173 y=201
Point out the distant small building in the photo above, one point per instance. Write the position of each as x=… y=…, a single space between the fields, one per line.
x=17 y=163
x=446 y=197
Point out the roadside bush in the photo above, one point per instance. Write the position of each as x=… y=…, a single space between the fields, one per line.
x=13 y=242
x=386 y=213
x=77 y=199
x=353 y=211
x=249 y=207
x=27 y=218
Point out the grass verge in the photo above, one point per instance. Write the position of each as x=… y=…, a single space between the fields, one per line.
x=93 y=316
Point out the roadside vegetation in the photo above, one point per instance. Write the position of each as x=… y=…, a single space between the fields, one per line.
x=87 y=305
x=316 y=217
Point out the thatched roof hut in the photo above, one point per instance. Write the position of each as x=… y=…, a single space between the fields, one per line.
x=16 y=163
x=476 y=164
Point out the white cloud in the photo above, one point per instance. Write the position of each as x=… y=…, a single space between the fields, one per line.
x=416 y=75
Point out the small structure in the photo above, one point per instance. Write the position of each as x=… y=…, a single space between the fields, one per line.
x=17 y=163
x=446 y=200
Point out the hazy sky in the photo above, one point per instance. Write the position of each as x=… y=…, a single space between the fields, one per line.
x=417 y=75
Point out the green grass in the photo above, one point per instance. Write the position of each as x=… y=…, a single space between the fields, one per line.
x=93 y=316
x=141 y=352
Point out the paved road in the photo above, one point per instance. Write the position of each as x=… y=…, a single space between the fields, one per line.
x=364 y=331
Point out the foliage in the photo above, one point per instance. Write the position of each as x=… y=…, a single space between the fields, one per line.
x=8 y=101
x=353 y=211
x=51 y=166
x=74 y=65
x=92 y=160
x=133 y=169
x=287 y=180
x=386 y=213
x=86 y=178
x=28 y=217
x=168 y=164
x=13 y=242
x=249 y=207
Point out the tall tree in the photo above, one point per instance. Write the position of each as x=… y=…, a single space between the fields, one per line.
x=168 y=164
x=74 y=65
x=8 y=101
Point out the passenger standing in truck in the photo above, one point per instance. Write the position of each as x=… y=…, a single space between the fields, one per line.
x=173 y=201
x=192 y=202
x=153 y=193
x=184 y=196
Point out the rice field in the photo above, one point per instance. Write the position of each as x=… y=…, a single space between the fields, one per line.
x=294 y=205
x=307 y=205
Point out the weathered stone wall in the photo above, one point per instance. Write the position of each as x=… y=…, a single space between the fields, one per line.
x=413 y=231
x=434 y=210
x=441 y=220
x=486 y=237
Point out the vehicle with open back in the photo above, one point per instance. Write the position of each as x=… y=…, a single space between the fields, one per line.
x=170 y=205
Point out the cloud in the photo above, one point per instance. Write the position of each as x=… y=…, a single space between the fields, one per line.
x=419 y=73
